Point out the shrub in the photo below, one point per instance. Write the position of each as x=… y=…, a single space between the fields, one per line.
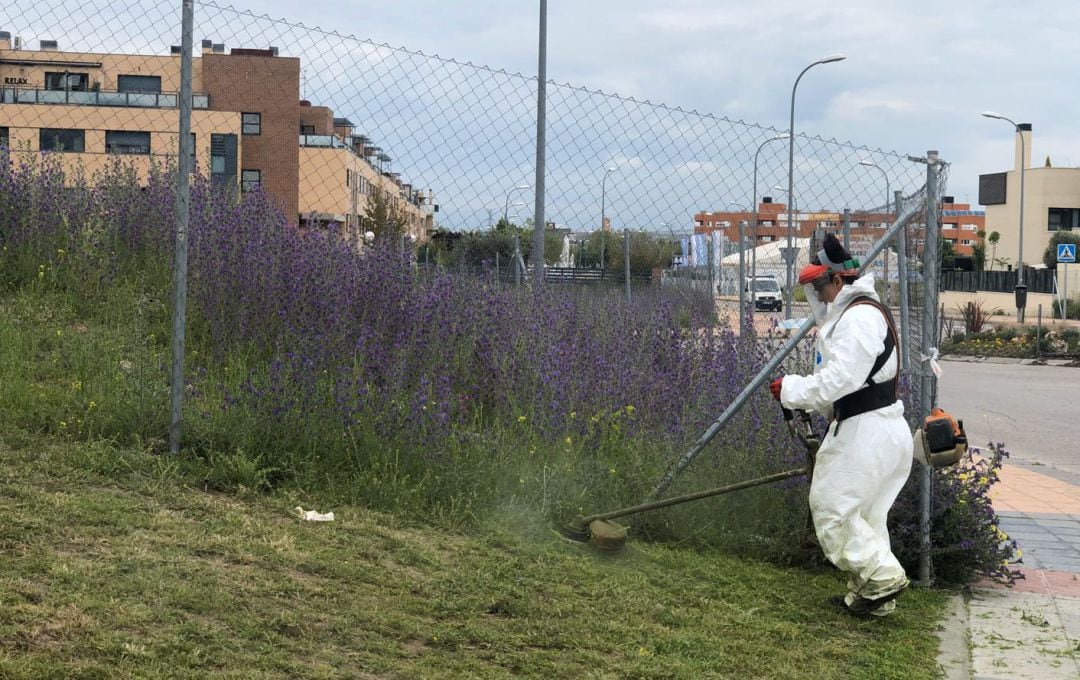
x=1072 y=309
x=967 y=542
x=974 y=316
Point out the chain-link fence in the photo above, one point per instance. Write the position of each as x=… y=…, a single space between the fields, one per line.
x=425 y=131
x=375 y=141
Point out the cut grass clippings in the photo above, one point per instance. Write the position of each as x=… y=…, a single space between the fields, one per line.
x=115 y=564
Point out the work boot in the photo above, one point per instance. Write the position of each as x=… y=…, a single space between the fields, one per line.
x=840 y=602
x=864 y=605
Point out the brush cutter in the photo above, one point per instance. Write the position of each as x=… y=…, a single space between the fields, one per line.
x=611 y=536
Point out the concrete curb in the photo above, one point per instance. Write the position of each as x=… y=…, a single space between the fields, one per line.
x=954 y=634
x=1007 y=360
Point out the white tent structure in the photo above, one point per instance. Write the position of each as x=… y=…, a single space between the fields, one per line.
x=770 y=261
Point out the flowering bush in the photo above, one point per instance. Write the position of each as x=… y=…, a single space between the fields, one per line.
x=1013 y=342
x=967 y=542
x=356 y=376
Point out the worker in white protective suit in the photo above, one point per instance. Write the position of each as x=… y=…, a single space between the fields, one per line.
x=865 y=456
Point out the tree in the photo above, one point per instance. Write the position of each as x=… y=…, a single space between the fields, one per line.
x=995 y=237
x=978 y=251
x=384 y=217
x=1050 y=256
x=978 y=256
x=948 y=254
x=647 y=252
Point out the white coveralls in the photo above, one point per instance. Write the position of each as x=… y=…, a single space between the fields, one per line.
x=864 y=460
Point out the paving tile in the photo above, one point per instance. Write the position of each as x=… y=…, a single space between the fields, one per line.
x=1019 y=635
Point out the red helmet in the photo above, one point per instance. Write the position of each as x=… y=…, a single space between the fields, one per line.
x=812 y=272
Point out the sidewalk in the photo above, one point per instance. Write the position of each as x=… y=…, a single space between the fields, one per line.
x=1031 y=630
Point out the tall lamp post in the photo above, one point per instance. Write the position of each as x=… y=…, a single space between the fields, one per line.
x=791 y=172
x=506 y=204
x=603 y=211
x=870 y=164
x=1021 y=289
x=754 y=199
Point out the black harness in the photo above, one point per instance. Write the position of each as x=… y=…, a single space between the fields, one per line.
x=873 y=395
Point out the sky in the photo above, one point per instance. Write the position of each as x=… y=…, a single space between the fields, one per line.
x=917 y=74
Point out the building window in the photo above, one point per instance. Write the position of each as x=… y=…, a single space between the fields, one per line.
x=1062 y=219
x=127 y=142
x=223 y=159
x=348 y=177
x=250 y=180
x=307 y=129
x=251 y=123
x=57 y=139
x=970 y=227
x=79 y=82
x=138 y=83
x=965 y=242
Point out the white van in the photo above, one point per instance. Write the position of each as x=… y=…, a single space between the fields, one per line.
x=765 y=292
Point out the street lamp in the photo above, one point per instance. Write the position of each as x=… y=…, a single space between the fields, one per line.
x=1021 y=289
x=515 y=204
x=603 y=211
x=791 y=169
x=870 y=164
x=754 y=199
x=506 y=205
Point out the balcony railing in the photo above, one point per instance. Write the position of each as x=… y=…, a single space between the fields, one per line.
x=143 y=100
x=325 y=141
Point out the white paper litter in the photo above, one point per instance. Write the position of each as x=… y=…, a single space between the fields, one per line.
x=312 y=516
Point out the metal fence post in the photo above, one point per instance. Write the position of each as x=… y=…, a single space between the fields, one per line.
x=626 y=261
x=517 y=260
x=847 y=230
x=741 y=282
x=1038 y=335
x=927 y=389
x=183 y=218
x=902 y=275
x=541 y=146
x=710 y=253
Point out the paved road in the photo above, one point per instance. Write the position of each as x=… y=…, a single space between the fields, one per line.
x=1034 y=410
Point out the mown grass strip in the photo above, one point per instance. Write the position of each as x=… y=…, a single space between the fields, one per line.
x=138 y=574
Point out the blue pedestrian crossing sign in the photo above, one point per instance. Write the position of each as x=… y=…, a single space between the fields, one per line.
x=1066 y=252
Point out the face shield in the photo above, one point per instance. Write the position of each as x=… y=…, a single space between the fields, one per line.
x=813 y=278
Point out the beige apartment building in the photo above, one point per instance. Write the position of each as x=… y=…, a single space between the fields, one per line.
x=340 y=172
x=1051 y=203
x=92 y=107
x=250 y=127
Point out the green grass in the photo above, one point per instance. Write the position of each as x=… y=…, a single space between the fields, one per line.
x=116 y=564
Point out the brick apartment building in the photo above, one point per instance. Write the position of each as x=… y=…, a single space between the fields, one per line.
x=960 y=225
x=250 y=127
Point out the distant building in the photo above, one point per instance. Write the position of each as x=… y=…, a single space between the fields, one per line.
x=1051 y=203
x=960 y=225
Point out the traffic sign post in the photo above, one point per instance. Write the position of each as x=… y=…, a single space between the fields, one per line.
x=1066 y=254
